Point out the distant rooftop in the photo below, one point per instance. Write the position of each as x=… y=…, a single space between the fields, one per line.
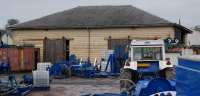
x=197 y=28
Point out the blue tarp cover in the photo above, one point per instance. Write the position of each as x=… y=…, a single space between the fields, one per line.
x=188 y=77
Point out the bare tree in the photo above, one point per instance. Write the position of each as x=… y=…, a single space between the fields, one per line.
x=11 y=22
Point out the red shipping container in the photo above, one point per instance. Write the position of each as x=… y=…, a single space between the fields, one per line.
x=20 y=59
x=14 y=60
x=11 y=55
x=28 y=58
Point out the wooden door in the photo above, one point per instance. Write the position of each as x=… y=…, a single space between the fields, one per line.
x=55 y=50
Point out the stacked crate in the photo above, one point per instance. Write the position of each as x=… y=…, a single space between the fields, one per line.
x=41 y=78
x=44 y=66
x=41 y=75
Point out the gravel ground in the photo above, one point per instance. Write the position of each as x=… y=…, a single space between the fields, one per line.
x=76 y=86
x=80 y=86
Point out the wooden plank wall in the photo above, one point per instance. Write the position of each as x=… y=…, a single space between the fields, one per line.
x=98 y=38
x=78 y=39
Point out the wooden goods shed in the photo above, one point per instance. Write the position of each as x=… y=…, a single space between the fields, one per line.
x=90 y=31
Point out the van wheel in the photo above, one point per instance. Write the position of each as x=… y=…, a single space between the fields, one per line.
x=128 y=81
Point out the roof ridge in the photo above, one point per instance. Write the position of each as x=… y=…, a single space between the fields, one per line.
x=105 y=5
x=99 y=15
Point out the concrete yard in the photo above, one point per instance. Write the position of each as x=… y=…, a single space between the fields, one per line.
x=75 y=86
x=79 y=86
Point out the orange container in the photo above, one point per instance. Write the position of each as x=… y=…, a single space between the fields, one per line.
x=10 y=55
x=20 y=58
x=14 y=55
x=28 y=58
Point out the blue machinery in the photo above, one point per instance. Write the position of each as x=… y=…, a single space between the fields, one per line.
x=13 y=88
x=144 y=87
x=5 y=68
x=72 y=67
x=114 y=65
x=158 y=86
x=187 y=81
x=86 y=68
x=155 y=87
x=116 y=61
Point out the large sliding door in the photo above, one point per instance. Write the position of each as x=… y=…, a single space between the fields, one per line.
x=56 y=50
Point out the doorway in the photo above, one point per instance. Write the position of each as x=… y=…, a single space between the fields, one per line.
x=56 y=50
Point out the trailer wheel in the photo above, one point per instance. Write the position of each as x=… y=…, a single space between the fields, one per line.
x=170 y=73
x=128 y=80
x=167 y=73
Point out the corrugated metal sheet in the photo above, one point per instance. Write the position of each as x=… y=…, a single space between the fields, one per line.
x=28 y=60
x=13 y=55
x=10 y=55
x=20 y=59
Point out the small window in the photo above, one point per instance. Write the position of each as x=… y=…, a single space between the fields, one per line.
x=115 y=43
x=147 y=53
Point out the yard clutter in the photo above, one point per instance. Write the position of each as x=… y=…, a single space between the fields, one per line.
x=85 y=68
x=74 y=67
x=142 y=69
x=146 y=71
x=39 y=80
x=12 y=87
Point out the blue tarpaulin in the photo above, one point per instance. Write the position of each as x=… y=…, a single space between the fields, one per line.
x=188 y=77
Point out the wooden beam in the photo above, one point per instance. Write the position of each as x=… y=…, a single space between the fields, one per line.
x=41 y=39
x=33 y=39
x=134 y=38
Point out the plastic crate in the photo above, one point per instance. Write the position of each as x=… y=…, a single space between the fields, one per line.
x=44 y=66
x=40 y=78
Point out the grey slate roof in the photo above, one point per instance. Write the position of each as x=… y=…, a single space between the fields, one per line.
x=95 y=16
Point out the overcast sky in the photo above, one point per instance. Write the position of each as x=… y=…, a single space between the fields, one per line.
x=24 y=10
